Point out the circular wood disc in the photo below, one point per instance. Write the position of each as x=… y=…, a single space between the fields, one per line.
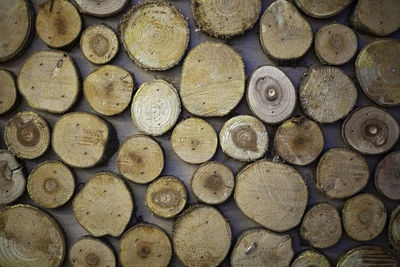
x=364 y=217
x=212 y=80
x=311 y=258
x=140 y=159
x=145 y=245
x=377 y=71
x=27 y=135
x=194 y=140
x=12 y=178
x=108 y=89
x=284 y=34
x=327 y=94
x=155 y=107
x=271 y=95
x=394 y=229
x=212 y=182
x=258 y=247
x=8 y=91
x=99 y=43
x=225 y=19
x=370 y=130
x=341 y=173
x=322 y=8
x=335 y=44
x=387 y=176
x=367 y=256
x=104 y=205
x=30 y=237
x=80 y=139
x=89 y=251
x=299 y=141
x=201 y=236
x=51 y=184
x=154 y=34
x=102 y=8
x=48 y=80
x=244 y=138
x=272 y=194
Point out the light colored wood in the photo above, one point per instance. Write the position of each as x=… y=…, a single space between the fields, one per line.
x=88 y=251
x=8 y=91
x=341 y=173
x=155 y=35
x=102 y=8
x=387 y=176
x=244 y=138
x=310 y=258
x=272 y=194
x=212 y=80
x=51 y=184
x=48 y=80
x=201 y=236
x=104 y=205
x=30 y=237
x=109 y=89
x=194 y=140
x=258 y=247
x=394 y=229
x=12 y=178
x=364 y=217
x=140 y=159
x=322 y=8
x=367 y=256
x=155 y=107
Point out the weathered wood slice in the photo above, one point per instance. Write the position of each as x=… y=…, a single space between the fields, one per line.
x=104 y=206
x=109 y=90
x=89 y=251
x=244 y=138
x=30 y=237
x=201 y=236
x=322 y=8
x=377 y=71
x=99 y=43
x=223 y=19
x=272 y=194
x=367 y=256
x=341 y=173
x=284 y=34
x=48 y=80
x=310 y=258
x=102 y=8
x=387 y=176
x=8 y=91
x=12 y=178
x=212 y=80
x=51 y=184
x=194 y=140
x=394 y=229
x=212 y=182
x=155 y=35
x=155 y=107
x=27 y=135
x=145 y=245
x=258 y=247
x=370 y=130
x=299 y=141
x=364 y=217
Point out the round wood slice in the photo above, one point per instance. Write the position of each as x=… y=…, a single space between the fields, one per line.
x=367 y=256
x=8 y=91
x=154 y=34
x=394 y=229
x=48 y=80
x=12 y=178
x=299 y=141
x=258 y=247
x=335 y=44
x=370 y=130
x=102 y=8
x=284 y=34
x=377 y=71
x=194 y=140
x=30 y=237
x=364 y=217
x=212 y=80
x=80 y=139
x=201 y=236
x=212 y=182
x=27 y=135
x=223 y=19
x=140 y=159
x=387 y=176
x=272 y=194
x=99 y=43
x=271 y=95
x=89 y=251
x=155 y=107
x=322 y=8
x=104 y=206
x=341 y=173
x=146 y=246
x=310 y=258
x=109 y=90
x=244 y=138
x=51 y=184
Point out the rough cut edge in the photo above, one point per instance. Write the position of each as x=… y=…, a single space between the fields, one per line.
x=82 y=11
x=303 y=10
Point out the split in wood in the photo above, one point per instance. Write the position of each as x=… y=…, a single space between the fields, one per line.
x=12 y=178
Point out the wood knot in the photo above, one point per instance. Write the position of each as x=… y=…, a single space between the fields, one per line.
x=245 y=137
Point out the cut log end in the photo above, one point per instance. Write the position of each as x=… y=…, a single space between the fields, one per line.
x=387 y=176
x=12 y=178
x=371 y=255
x=103 y=8
x=8 y=91
x=394 y=229
x=310 y=258
x=322 y=8
x=89 y=251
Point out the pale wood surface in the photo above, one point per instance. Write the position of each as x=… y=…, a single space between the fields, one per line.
x=8 y=91
x=89 y=251
x=322 y=8
x=12 y=178
x=310 y=258
x=101 y=8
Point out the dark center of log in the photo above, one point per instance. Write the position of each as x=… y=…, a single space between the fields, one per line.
x=245 y=137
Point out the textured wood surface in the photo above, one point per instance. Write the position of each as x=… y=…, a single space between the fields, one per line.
x=310 y=258
x=394 y=229
x=102 y=8
x=367 y=256
x=322 y=8
x=387 y=176
x=89 y=251
x=8 y=91
x=12 y=178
